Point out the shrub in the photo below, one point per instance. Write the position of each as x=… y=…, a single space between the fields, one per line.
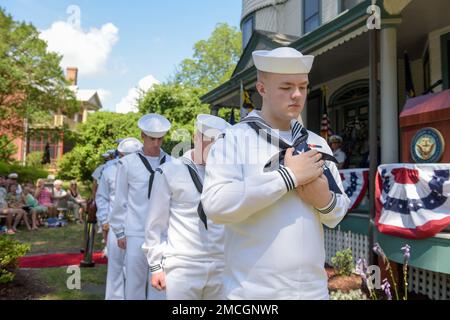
x=34 y=159
x=343 y=262
x=26 y=174
x=10 y=252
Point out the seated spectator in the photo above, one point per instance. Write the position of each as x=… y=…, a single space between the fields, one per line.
x=3 y=182
x=76 y=202
x=13 y=179
x=16 y=207
x=4 y=211
x=335 y=144
x=35 y=209
x=50 y=181
x=44 y=197
x=60 y=196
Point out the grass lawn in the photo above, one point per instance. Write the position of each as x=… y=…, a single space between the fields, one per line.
x=93 y=281
x=68 y=239
x=62 y=240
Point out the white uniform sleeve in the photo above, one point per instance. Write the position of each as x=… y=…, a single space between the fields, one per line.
x=97 y=172
x=228 y=196
x=157 y=223
x=102 y=199
x=340 y=156
x=118 y=214
x=337 y=210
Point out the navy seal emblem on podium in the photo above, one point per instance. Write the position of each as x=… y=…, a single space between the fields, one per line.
x=427 y=146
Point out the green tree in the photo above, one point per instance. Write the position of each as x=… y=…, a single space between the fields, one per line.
x=31 y=79
x=7 y=148
x=94 y=138
x=213 y=61
x=179 y=104
x=225 y=113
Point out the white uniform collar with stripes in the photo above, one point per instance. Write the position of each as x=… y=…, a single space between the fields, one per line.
x=296 y=126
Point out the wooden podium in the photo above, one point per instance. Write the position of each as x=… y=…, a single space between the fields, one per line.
x=425 y=129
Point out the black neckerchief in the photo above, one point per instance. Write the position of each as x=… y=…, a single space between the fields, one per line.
x=300 y=145
x=198 y=185
x=150 y=169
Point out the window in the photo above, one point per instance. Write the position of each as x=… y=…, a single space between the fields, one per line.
x=348 y=4
x=445 y=54
x=350 y=105
x=39 y=139
x=247 y=30
x=78 y=117
x=311 y=14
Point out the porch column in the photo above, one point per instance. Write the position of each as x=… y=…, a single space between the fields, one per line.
x=85 y=115
x=389 y=96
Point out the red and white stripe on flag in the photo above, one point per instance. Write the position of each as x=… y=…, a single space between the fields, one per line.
x=412 y=200
x=325 y=127
x=355 y=183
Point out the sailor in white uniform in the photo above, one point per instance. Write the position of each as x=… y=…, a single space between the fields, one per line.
x=115 y=279
x=134 y=185
x=189 y=262
x=335 y=143
x=99 y=170
x=273 y=184
x=109 y=158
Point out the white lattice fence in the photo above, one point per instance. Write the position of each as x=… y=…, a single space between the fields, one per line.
x=336 y=240
x=432 y=284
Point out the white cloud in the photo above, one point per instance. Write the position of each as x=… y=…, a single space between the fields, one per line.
x=129 y=103
x=86 y=50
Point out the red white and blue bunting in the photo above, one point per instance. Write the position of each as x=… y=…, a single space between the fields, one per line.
x=355 y=182
x=412 y=200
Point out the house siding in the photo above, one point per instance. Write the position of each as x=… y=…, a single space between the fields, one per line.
x=282 y=18
x=329 y=10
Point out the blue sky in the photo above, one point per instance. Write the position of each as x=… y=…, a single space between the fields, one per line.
x=120 y=43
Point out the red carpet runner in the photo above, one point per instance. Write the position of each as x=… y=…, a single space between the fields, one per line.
x=58 y=260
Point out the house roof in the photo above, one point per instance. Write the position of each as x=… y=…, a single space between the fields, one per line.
x=87 y=97
x=261 y=40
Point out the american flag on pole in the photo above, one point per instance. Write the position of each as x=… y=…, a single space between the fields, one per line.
x=412 y=200
x=355 y=183
x=325 y=127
